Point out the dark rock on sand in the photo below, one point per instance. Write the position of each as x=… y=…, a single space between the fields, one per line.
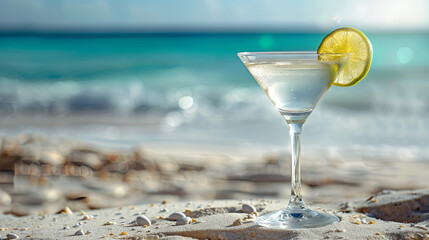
x=399 y=206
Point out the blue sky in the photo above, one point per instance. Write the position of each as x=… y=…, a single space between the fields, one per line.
x=157 y=15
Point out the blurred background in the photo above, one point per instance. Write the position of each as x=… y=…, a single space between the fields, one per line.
x=77 y=77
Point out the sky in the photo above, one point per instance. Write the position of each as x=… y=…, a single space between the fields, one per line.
x=207 y=15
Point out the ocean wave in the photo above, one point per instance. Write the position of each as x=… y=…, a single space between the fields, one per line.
x=368 y=120
x=192 y=85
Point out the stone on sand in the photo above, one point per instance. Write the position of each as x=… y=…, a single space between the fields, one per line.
x=176 y=216
x=184 y=221
x=247 y=208
x=79 y=233
x=12 y=236
x=400 y=206
x=142 y=220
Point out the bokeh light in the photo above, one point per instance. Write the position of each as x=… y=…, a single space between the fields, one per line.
x=405 y=54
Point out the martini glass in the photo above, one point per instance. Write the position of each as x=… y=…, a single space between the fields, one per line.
x=294 y=82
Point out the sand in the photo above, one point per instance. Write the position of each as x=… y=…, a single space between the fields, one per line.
x=42 y=176
x=213 y=220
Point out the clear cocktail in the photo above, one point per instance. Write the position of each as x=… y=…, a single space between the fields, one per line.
x=295 y=82
x=295 y=86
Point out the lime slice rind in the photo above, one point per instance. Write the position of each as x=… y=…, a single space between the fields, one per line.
x=349 y=40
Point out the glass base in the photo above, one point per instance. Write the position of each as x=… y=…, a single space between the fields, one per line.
x=296 y=218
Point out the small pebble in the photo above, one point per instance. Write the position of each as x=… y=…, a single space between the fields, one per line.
x=237 y=222
x=176 y=216
x=247 y=208
x=12 y=236
x=78 y=224
x=79 y=233
x=163 y=210
x=66 y=227
x=143 y=220
x=184 y=221
x=340 y=230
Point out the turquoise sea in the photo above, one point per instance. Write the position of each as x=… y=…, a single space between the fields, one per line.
x=70 y=65
x=196 y=81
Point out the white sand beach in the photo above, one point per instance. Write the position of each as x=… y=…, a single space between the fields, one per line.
x=106 y=189
x=210 y=220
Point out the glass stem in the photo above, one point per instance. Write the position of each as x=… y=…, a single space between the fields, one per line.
x=295 y=200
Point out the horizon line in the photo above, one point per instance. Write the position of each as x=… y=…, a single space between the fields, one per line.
x=32 y=30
